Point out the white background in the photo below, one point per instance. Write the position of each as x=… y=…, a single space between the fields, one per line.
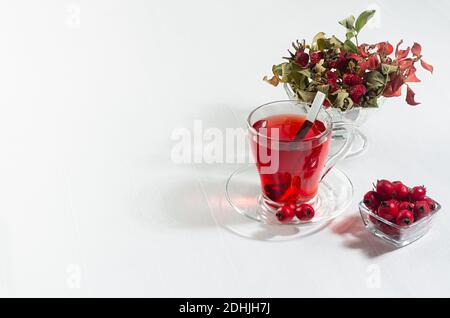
x=91 y=203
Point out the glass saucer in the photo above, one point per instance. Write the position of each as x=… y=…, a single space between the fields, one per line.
x=243 y=192
x=359 y=144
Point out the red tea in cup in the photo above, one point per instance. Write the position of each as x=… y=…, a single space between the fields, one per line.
x=289 y=170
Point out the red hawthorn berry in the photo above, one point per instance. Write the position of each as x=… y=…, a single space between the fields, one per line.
x=421 y=209
x=401 y=191
x=352 y=79
x=371 y=201
x=385 y=189
x=285 y=214
x=304 y=212
x=301 y=58
x=356 y=92
x=405 y=205
x=431 y=203
x=418 y=193
x=316 y=57
x=388 y=210
x=404 y=218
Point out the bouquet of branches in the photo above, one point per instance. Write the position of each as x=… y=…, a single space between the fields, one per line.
x=349 y=73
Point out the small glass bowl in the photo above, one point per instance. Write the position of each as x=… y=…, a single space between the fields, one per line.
x=394 y=234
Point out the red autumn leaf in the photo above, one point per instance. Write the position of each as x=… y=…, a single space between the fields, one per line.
x=397 y=46
x=426 y=66
x=396 y=82
x=401 y=54
x=388 y=92
x=371 y=63
x=385 y=47
x=416 y=49
x=410 y=97
x=405 y=64
x=354 y=56
x=362 y=49
x=411 y=75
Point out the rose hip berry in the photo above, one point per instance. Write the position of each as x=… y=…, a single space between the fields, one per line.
x=385 y=189
x=285 y=214
x=421 y=209
x=371 y=201
x=405 y=205
x=304 y=212
x=418 y=193
x=404 y=218
x=401 y=191
x=316 y=57
x=301 y=58
x=431 y=203
x=388 y=210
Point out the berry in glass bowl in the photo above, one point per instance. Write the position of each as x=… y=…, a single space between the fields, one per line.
x=396 y=213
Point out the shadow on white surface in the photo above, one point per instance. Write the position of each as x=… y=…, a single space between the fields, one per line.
x=357 y=237
x=228 y=218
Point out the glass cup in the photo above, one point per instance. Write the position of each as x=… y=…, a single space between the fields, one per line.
x=356 y=116
x=291 y=171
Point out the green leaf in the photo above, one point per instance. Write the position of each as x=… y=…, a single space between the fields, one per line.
x=322 y=44
x=363 y=18
x=318 y=36
x=299 y=77
x=348 y=22
x=374 y=79
x=388 y=69
x=324 y=88
x=334 y=41
x=350 y=46
x=342 y=100
x=349 y=35
x=318 y=68
x=372 y=102
x=305 y=96
x=285 y=72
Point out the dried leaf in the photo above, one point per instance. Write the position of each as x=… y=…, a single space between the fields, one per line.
x=371 y=63
x=388 y=68
x=401 y=54
x=388 y=92
x=336 y=42
x=355 y=56
x=396 y=82
x=397 y=47
x=275 y=80
x=405 y=64
x=426 y=66
x=374 y=79
x=385 y=48
x=411 y=75
x=416 y=49
x=305 y=96
x=318 y=36
x=410 y=97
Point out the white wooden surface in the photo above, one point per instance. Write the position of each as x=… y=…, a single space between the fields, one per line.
x=91 y=203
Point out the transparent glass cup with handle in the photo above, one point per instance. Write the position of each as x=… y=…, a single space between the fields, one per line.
x=291 y=170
